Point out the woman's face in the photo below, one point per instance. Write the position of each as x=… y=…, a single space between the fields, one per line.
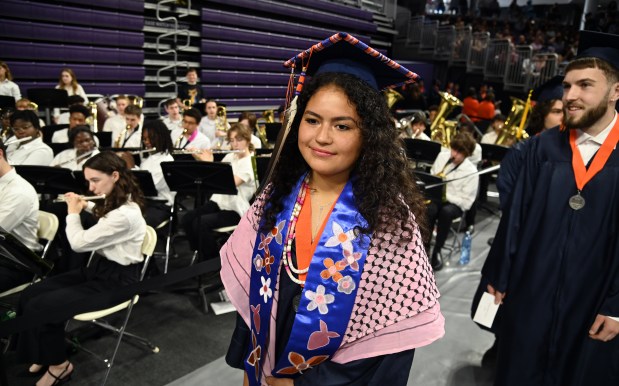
x=554 y=116
x=236 y=141
x=83 y=143
x=146 y=140
x=100 y=183
x=23 y=129
x=330 y=135
x=2 y=72
x=66 y=78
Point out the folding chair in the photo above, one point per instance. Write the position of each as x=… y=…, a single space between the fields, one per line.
x=456 y=244
x=148 y=247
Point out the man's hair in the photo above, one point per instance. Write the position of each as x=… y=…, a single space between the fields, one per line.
x=499 y=117
x=251 y=119
x=610 y=72
x=192 y=69
x=171 y=102
x=75 y=99
x=27 y=116
x=133 y=110
x=194 y=113
x=80 y=109
x=464 y=143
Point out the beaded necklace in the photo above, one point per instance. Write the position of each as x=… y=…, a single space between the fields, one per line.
x=287 y=255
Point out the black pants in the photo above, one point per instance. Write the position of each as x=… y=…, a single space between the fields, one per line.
x=156 y=212
x=45 y=344
x=11 y=278
x=442 y=214
x=199 y=225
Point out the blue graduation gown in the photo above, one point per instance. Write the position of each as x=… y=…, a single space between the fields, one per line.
x=559 y=268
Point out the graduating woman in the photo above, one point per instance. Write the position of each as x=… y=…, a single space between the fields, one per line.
x=117 y=240
x=327 y=269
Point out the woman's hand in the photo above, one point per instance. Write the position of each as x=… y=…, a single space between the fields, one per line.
x=272 y=381
x=75 y=203
x=202 y=155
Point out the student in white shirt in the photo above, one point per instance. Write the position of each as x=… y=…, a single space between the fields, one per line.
x=117 y=122
x=174 y=119
x=19 y=215
x=208 y=124
x=155 y=135
x=116 y=238
x=458 y=195
x=68 y=82
x=63 y=118
x=7 y=86
x=189 y=136
x=25 y=123
x=496 y=125
x=77 y=117
x=129 y=135
x=250 y=120
x=84 y=147
x=223 y=210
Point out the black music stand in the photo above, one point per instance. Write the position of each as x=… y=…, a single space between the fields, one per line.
x=48 y=98
x=50 y=180
x=58 y=147
x=493 y=152
x=49 y=130
x=7 y=102
x=420 y=150
x=424 y=179
x=105 y=138
x=15 y=255
x=272 y=130
x=145 y=180
x=199 y=178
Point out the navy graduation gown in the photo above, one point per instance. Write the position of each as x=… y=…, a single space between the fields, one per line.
x=559 y=268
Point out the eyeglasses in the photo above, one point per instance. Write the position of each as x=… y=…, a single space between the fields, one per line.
x=185 y=122
x=23 y=128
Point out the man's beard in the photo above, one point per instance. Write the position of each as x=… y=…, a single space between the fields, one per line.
x=589 y=117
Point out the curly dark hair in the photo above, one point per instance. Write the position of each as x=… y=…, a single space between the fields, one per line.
x=159 y=135
x=382 y=182
x=127 y=185
x=538 y=115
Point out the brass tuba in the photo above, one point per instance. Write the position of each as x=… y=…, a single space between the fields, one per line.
x=392 y=96
x=442 y=130
x=221 y=124
x=509 y=132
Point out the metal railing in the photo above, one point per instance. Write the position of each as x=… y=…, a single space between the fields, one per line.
x=428 y=36
x=445 y=39
x=499 y=54
x=517 y=73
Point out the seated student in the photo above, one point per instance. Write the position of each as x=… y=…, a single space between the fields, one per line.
x=116 y=123
x=250 y=120
x=223 y=210
x=458 y=195
x=416 y=128
x=190 y=135
x=77 y=117
x=117 y=240
x=7 y=86
x=25 y=123
x=63 y=118
x=84 y=147
x=155 y=134
x=174 y=119
x=130 y=135
x=208 y=123
x=26 y=104
x=19 y=215
x=494 y=130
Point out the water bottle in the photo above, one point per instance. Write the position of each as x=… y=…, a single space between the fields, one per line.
x=465 y=253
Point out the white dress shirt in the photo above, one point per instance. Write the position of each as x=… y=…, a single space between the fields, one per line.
x=208 y=127
x=114 y=123
x=242 y=168
x=62 y=136
x=19 y=209
x=589 y=145
x=463 y=191
x=10 y=88
x=118 y=235
x=490 y=137
x=173 y=125
x=67 y=159
x=153 y=165
x=256 y=142
x=200 y=141
x=34 y=152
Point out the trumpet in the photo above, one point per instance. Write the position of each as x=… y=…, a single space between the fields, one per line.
x=12 y=141
x=85 y=198
x=79 y=157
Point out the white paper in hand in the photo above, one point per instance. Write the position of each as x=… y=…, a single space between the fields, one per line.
x=486 y=310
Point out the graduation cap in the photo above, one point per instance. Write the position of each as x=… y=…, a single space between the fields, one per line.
x=344 y=53
x=599 y=45
x=552 y=89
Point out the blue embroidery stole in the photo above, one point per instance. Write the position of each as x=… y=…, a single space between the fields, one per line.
x=327 y=299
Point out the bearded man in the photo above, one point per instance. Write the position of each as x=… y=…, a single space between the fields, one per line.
x=554 y=263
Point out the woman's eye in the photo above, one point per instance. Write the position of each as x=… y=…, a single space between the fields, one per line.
x=342 y=127
x=311 y=121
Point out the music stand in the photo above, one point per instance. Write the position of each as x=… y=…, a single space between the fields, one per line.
x=15 y=255
x=426 y=179
x=272 y=130
x=7 y=102
x=48 y=98
x=49 y=180
x=263 y=152
x=420 y=150
x=105 y=138
x=58 y=147
x=145 y=180
x=493 y=152
x=49 y=130
x=199 y=177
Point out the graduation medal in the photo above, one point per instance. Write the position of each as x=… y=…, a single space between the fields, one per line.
x=577 y=202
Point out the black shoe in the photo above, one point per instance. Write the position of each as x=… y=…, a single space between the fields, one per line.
x=490 y=356
x=437 y=262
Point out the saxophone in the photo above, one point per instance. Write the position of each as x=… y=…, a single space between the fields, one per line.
x=177 y=144
x=119 y=140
